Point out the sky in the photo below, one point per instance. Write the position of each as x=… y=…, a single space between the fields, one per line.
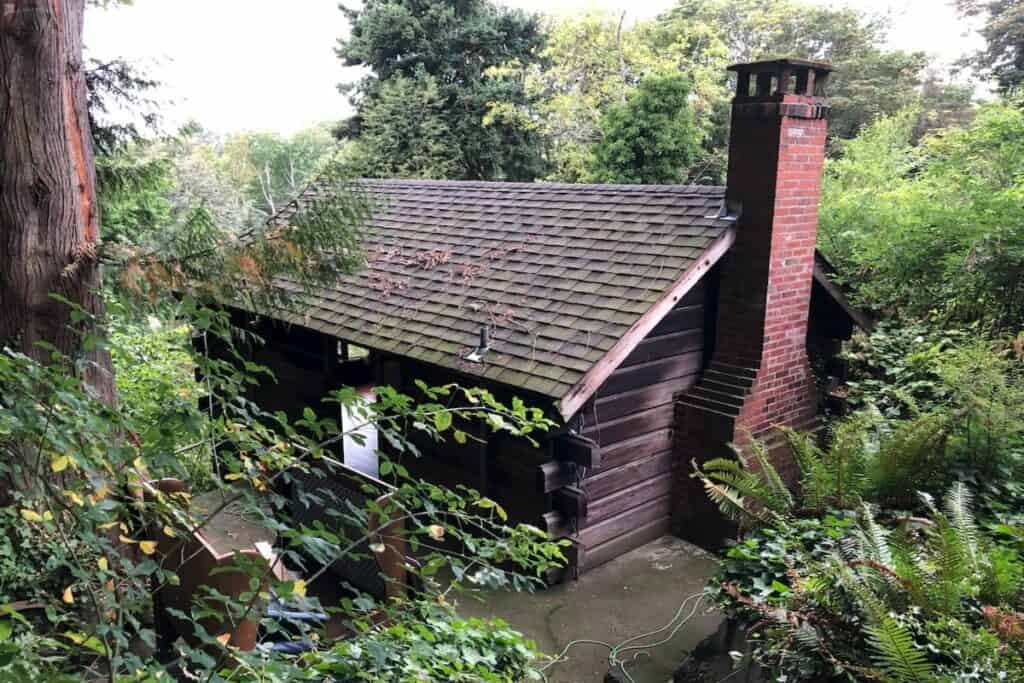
x=270 y=65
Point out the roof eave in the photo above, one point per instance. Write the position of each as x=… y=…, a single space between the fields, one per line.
x=821 y=276
x=569 y=404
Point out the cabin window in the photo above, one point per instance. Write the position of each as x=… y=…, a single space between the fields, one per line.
x=361 y=439
x=348 y=351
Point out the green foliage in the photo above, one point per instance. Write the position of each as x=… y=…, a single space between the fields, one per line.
x=867 y=459
x=156 y=384
x=456 y=44
x=117 y=86
x=272 y=169
x=912 y=456
x=651 y=138
x=594 y=61
x=78 y=464
x=953 y=407
x=134 y=184
x=869 y=599
x=972 y=654
x=436 y=647
x=405 y=133
x=836 y=476
x=759 y=565
x=315 y=241
x=29 y=560
x=936 y=228
x=882 y=597
x=748 y=489
x=1003 y=30
x=896 y=368
x=868 y=81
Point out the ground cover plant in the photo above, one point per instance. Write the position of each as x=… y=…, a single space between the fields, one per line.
x=900 y=557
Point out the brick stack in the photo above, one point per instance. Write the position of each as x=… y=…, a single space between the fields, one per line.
x=759 y=374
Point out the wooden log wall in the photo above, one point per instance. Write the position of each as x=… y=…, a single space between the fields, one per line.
x=631 y=418
x=606 y=510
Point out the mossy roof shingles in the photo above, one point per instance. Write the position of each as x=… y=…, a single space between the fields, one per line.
x=558 y=273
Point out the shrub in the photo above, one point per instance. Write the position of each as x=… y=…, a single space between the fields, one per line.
x=436 y=647
x=80 y=534
x=865 y=600
x=936 y=228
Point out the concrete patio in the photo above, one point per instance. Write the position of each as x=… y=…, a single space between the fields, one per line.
x=634 y=594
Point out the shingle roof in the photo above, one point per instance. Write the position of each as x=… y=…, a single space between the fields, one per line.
x=558 y=273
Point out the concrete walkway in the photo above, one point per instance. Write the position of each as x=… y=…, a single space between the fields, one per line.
x=631 y=595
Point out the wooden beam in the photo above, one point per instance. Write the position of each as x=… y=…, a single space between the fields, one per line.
x=821 y=277
x=555 y=474
x=578 y=449
x=596 y=376
x=556 y=524
x=571 y=501
x=577 y=562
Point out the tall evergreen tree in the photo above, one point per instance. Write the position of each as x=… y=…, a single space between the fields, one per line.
x=404 y=131
x=457 y=43
x=1003 y=56
x=651 y=138
x=49 y=216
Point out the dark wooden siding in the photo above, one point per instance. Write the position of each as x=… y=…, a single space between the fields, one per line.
x=631 y=417
x=628 y=499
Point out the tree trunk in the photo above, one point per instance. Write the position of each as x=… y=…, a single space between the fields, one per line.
x=49 y=226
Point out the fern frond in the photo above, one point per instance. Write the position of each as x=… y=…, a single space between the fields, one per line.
x=778 y=496
x=809 y=459
x=951 y=567
x=872 y=538
x=911 y=455
x=722 y=465
x=807 y=454
x=731 y=504
x=896 y=653
x=729 y=500
x=928 y=500
x=959 y=503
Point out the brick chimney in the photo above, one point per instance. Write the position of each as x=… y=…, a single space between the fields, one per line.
x=759 y=375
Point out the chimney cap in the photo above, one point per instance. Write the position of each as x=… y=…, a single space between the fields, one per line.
x=768 y=64
x=778 y=78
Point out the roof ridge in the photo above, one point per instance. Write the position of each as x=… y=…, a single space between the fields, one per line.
x=544 y=185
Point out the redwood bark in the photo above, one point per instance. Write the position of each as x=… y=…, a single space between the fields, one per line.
x=49 y=224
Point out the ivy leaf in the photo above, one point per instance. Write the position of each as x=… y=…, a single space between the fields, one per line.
x=31 y=516
x=443 y=420
x=60 y=463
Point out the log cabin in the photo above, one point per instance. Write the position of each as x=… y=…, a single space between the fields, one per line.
x=655 y=324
